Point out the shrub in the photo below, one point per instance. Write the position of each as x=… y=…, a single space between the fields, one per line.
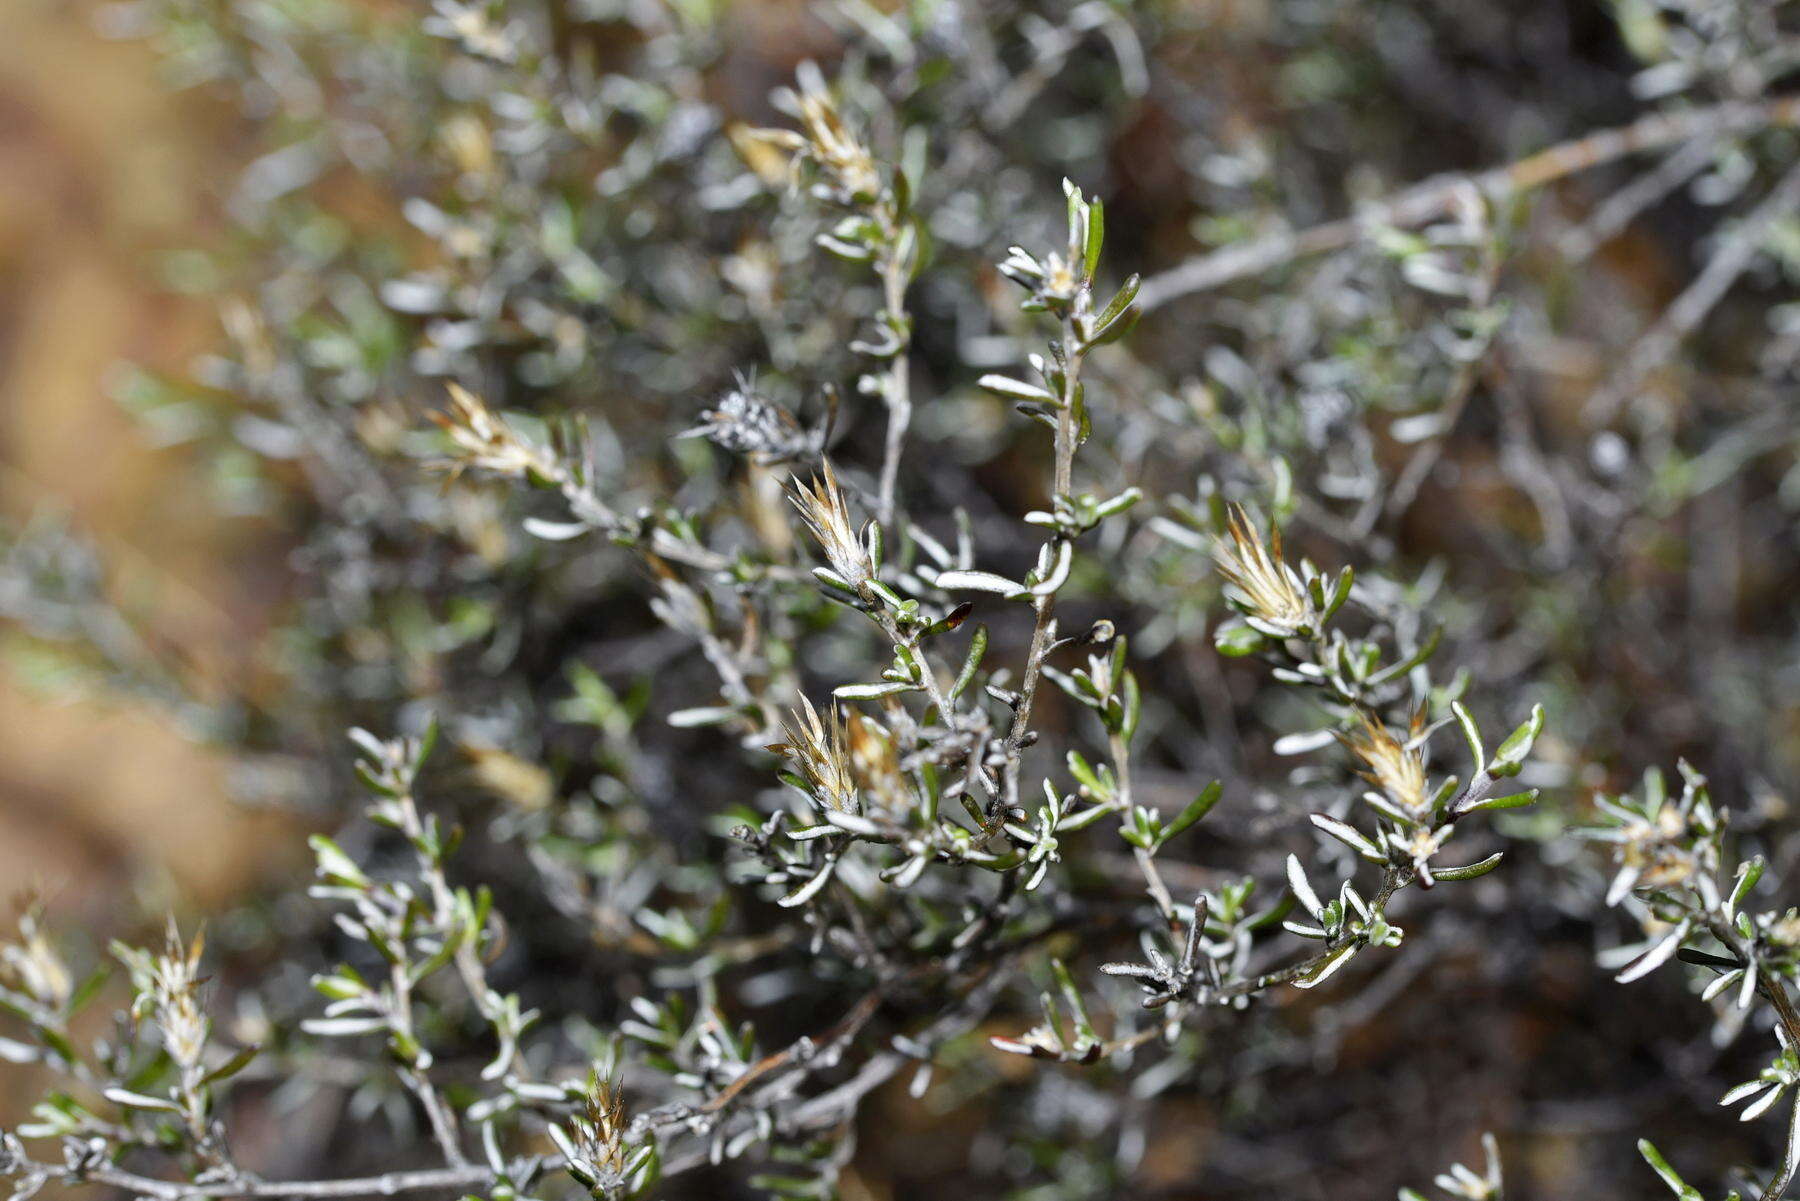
x=806 y=617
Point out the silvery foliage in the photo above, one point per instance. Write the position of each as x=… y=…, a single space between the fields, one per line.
x=794 y=757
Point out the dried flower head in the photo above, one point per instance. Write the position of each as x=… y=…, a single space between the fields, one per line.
x=1268 y=590
x=839 y=153
x=595 y=1143
x=1661 y=841
x=875 y=761
x=821 y=756
x=1659 y=851
x=771 y=153
x=851 y=173
x=31 y=967
x=822 y=506
x=472 y=25
x=1396 y=767
x=483 y=439
x=167 y=988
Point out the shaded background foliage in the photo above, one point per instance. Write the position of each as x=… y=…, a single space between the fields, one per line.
x=566 y=225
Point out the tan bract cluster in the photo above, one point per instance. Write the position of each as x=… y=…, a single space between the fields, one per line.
x=483 y=439
x=825 y=139
x=876 y=762
x=168 y=988
x=1265 y=584
x=821 y=756
x=32 y=967
x=1395 y=767
x=822 y=506
x=1659 y=852
x=839 y=153
x=594 y=1146
x=842 y=761
x=602 y=1128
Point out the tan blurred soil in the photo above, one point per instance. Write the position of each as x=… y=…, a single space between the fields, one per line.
x=103 y=804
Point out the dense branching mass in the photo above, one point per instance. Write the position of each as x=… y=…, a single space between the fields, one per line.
x=959 y=597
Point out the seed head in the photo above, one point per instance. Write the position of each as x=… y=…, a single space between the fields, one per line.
x=1659 y=851
x=851 y=176
x=594 y=1145
x=747 y=423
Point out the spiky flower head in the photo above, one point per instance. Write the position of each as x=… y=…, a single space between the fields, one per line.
x=1268 y=591
x=32 y=968
x=1394 y=766
x=839 y=152
x=167 y=988
x=483 y=439
x=851 y=174
x=597 y=1146
x=821 y=756
x=822 y=506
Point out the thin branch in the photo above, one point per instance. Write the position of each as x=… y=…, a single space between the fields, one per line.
x=438 y=1113
x=1418 y=468
x=1433 y=197
x=386 y=1185
x=1611 y=216
x=1776 y=993
x=1044 y=629
x=1688 y=310
x=1392 y=881
x=1790 y=1160
x=896 y=266
x=1120 y=755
